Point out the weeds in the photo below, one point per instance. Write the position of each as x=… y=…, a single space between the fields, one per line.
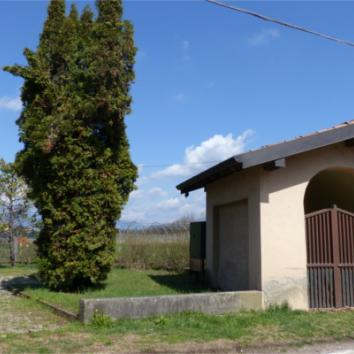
x=100 y=320
x=143 y=254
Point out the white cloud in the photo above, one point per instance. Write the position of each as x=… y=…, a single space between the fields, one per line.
x=140 y=168
x=130 y=214
x=185 y=45
x=166 y=210
x=136 y=194
x=168 y=204
x=12 y=104
x=158 y=201
x=141 y=192
x=179 y=97
x=141 y=55
x=157 y=191
x=264 y=37
x=213 y=150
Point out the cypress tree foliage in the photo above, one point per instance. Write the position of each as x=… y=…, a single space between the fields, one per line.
x=76 y=157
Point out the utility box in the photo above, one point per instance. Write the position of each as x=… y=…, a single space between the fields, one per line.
x=197 y=246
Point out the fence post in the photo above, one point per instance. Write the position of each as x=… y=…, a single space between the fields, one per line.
x=336 y=258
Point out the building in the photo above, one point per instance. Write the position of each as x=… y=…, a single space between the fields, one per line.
x=280 y=219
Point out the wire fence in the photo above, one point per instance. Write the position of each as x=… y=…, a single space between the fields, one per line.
x=143 y=246
x=154 y=245
x=25 y=250
x=154 y=232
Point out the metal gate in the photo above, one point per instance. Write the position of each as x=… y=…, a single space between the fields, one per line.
x=330 y=258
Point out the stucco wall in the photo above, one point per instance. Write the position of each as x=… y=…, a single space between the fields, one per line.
x=283 y=237
x=239 y=187
x=276 y=223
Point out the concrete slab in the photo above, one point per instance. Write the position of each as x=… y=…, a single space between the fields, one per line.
x=137 y=307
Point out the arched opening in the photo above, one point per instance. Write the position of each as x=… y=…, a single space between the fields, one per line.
x=329 y=209
x=333 y=186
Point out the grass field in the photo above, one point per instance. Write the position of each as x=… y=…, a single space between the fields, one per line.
x=187 y=332
x=18 y=270
x=138 y=253
x=120 y=282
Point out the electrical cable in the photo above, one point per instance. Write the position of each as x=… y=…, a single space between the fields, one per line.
x=281 y=23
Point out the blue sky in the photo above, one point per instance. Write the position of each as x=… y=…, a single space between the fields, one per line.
x=209 y=83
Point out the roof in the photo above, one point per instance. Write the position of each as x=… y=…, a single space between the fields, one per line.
x=270 y=154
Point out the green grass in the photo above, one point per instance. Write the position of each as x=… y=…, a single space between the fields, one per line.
x=278 y=325
x=122 y=282
x=18 y=270
x=189 y=331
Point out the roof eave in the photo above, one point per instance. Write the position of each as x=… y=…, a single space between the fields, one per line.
x=222 y=169
x=267 y=154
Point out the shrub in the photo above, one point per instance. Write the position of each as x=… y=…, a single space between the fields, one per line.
x=75 y=155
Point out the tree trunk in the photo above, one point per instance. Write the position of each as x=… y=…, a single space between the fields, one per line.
x=12 y=238
x=13 y=248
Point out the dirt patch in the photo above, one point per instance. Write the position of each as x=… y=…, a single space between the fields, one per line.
x=20 y=316
x=232 y=347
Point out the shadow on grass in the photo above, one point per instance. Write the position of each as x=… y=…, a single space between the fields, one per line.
x=182 y=282
x=179 y=282
x=20 y=283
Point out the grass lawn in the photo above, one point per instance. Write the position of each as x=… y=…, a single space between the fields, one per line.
x=18 y=270
x=121 y=282
x=189 y=332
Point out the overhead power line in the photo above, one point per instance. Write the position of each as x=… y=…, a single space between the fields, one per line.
x=281 y=23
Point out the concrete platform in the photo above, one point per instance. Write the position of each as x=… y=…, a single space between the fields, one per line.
x=137 y=307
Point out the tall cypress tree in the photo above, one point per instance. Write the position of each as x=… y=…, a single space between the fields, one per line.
x=76 y=154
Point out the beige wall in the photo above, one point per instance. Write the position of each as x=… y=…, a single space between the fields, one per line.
x=276 y=225
x=240 y=187
x=283 y=238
